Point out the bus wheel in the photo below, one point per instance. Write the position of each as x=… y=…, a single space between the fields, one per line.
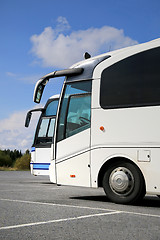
x=123 y=183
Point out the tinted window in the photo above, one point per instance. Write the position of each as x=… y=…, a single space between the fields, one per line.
x=51 y=127
x=51 y=108
x=43 y=127
x=79 y=114
x=45 y=132
x=70 y=89
x=134 y=81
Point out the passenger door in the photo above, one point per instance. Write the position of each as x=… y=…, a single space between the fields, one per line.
x=73 y=147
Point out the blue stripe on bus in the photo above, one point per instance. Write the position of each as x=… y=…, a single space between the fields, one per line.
x=33 y=149
x=40 y=166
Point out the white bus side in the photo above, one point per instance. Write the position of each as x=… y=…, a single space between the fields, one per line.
x=107 y=125
x=42 y=148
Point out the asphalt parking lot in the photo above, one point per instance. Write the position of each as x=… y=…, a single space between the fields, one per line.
x=33 y=208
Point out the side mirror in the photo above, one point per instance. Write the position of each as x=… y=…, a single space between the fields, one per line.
x=38 y=91
x=29 y=115
x=28 y=119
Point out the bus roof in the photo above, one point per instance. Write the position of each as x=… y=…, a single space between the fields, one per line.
x=55 y=96
x=138 y=47
x=84 y=70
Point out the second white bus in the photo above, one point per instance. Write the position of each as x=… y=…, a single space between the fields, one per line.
x=42 y=148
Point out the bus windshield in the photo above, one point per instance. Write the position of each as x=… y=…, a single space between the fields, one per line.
x=45 y=128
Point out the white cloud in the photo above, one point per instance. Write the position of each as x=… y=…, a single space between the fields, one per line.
x=14 y=135
x=55 y=48
x=62 y=24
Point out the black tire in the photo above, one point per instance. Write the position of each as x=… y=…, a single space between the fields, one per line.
x=123 y=183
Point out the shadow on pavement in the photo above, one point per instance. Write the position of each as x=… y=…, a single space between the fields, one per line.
x=148 y=201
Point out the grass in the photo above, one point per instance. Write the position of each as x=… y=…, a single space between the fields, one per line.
x=7 y=169
x=12 y=169
x=22 y=163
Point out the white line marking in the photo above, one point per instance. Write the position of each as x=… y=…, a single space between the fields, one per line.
x=56 y=204
x=141 y=214
x=15 y=190
x=57 y=220
x=82 y=207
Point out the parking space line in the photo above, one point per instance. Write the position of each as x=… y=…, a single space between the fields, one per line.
x=58 y=220
x=56 y=204
x=82 y=207
x=141 y=214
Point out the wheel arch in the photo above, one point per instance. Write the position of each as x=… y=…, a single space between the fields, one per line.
x=116 y=159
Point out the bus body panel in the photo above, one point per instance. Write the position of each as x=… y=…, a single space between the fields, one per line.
x=130 y=132
x=73 y=145
x=74 y=171
x=126 y=127
x=101 y=155
x=74 y=159
x=52 y=171
x=40 y=161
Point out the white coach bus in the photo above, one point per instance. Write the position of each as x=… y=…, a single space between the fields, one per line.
x=42 y=148
x=107 y=130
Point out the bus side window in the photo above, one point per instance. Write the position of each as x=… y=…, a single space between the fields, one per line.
x=132 y=82
x=51 y=109
x=51 y=127
x=46 y=130
x=72 y=90
x=79 y=114
x=43 y=127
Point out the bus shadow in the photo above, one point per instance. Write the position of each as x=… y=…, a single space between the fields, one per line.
x=48 y=183
x=92 y=198
x=148 y=201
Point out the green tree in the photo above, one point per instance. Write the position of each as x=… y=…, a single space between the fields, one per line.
x=27 y=151
x=13 y=154
x=5 y=160
x=23 y=163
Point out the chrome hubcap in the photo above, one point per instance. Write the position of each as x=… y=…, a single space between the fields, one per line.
x=121 y=181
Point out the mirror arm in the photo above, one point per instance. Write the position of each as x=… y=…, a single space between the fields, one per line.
x=29 y=115
x=40 y=85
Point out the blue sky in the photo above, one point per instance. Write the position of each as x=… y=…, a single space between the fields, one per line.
x=38 y=37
